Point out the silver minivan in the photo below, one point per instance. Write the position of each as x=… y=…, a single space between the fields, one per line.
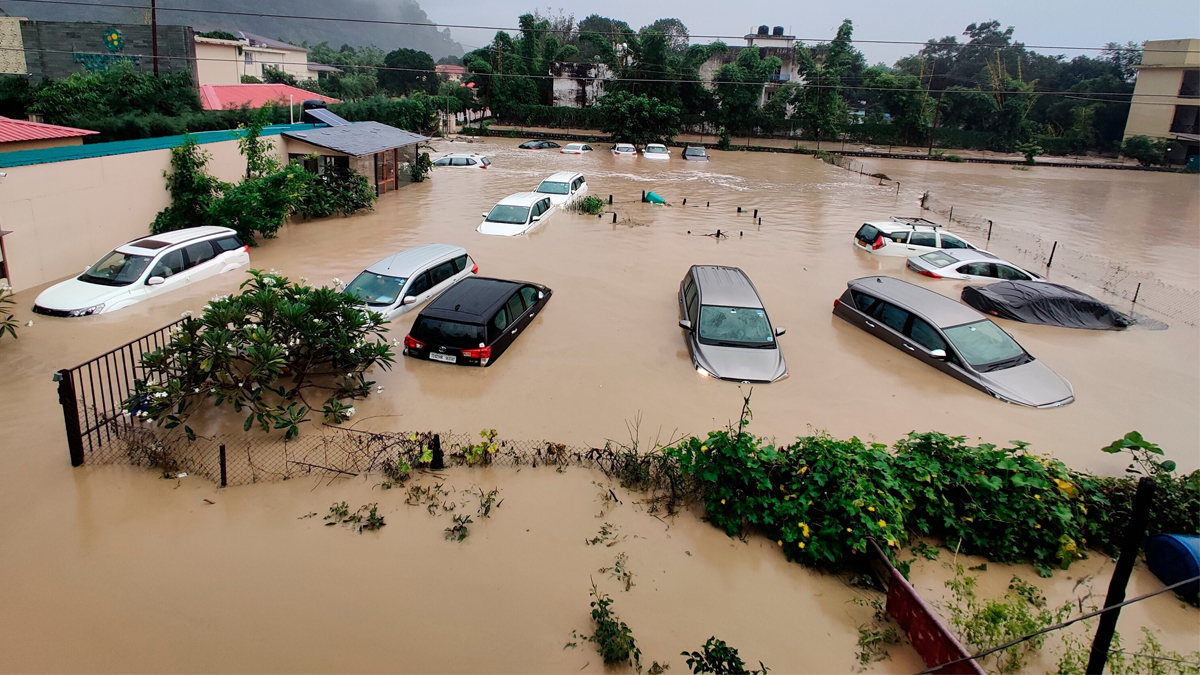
x=401 y=281
x=726 y=326
x=953 y=338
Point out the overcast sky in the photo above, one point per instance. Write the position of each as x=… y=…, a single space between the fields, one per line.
x=1082 y=23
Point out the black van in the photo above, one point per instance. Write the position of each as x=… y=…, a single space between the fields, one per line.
x=475 y=320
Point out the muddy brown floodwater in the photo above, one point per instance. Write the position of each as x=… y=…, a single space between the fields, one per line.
x=111 y=569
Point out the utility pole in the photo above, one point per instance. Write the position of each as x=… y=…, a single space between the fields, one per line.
x=154 y=35
x=933 y=131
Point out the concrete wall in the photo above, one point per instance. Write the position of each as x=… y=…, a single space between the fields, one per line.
x=42 y=144
x=1157 y=90
x=218 y=62
x=65 y=215
x=55 y=49
x=578 y=85
x=12 y=56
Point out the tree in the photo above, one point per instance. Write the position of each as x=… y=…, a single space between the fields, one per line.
x=900 y=96
x=1147 y=151
x=638 y=119
x=675 y=32
x=739 y=89
x=412 y=72
x=193 y=190
x=273 y=75
x=267 y=352
x=255 y=148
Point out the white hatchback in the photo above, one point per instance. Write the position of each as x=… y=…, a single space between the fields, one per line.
x=464 y=160
x=564 y=187
x=576 y=149
x=145 y=268
x=624 y=150
x=906 y=237
x=401 y=281
x=656 y=151
x=517 y=214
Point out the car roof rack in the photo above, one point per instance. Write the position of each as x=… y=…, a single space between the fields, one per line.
x=913 y=222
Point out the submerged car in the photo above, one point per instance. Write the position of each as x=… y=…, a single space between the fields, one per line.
x=144 y=268
x=906 y=237
x=624 y=150
x=537 y=145
x=576 y=149
x=516 y=214
x=656 y=151
x=968 y=265
x=564 y=187
x=695 y=153
x=953 y=338
x=400 y=282
x=464 y=160
x=475 y=321
x=727 y=329
x=1044 y=303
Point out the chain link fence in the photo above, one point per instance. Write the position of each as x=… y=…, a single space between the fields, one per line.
x=1139 y=288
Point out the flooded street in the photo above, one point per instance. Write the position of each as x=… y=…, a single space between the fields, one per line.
x=112 y=569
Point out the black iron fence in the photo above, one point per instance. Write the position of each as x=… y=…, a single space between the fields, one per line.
x=93 y=392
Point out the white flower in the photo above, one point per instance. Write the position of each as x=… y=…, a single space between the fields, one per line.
x=269 y=281
x=29 y=323
x=186 y=314
x=350 y=411
x=304 y=281
x=207 y=307
x=395 y=342
x=352 y=350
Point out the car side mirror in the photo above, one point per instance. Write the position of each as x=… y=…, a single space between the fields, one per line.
x=780 y=330
x=410 y=300
x=939 y=354
x=535 y=219
x=155 y=281
x=484 y=215
x=685 y=324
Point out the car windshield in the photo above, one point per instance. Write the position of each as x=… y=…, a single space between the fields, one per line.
x=554 y=188
x=735 y=327
x=439 y=333
x=694 y=152
x=375 y=289
x=985 y=347
x=655 y=150
x=116 y=269
x=513 y=215
x=939 y=259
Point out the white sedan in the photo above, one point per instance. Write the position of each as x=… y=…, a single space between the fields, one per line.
x=464 y=160
x=576 y=149
x=624 y=150
x=516 y=214
x=656 y=151
x=144 y=268
x=968 y=265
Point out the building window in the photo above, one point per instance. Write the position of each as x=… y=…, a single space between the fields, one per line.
x=1191 y=84
x=1187 y=119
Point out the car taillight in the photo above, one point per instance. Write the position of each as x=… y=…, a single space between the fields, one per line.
x=878 y=243
x=246 y=248
x=483 y=353
x=475 y=268
x=837 y=302
x=485 y=166
x=411 y=343
x=927 y=273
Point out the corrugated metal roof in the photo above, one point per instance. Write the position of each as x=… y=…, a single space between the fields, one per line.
x=64 y=154
x=12 y=130
x=360 y=138
x=226 y=96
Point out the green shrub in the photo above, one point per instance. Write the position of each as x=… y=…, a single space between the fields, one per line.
x=1147 y=151
x=955 y=158
x=718 y=658
x=193 y=190
x=555 y=117
x=590 y=204
x=612 y=637
x=339 y=190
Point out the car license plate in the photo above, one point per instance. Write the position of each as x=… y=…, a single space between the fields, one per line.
x=444 y=358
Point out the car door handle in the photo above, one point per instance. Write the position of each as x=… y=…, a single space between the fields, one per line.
x=909 y=348
x=515 y=331
x=869 y=324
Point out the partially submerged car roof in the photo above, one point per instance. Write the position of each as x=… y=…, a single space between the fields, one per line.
x=937 y=308
x=472 y=300
x=156 y=242
x=563 y=177
x=725 y=286
x=521 y=199
x=969 y=255
x=405 y=263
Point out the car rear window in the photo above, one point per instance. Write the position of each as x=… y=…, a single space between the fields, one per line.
x=867 y=233
x=226 y=244
x=939 y=259
x=442 y=333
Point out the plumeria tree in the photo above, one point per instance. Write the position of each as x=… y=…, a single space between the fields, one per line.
x=275 y=352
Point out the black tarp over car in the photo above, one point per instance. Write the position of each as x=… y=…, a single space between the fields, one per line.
x=1044 y=303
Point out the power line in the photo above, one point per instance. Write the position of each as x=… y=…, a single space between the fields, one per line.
x=389 y=22
x=668 y=80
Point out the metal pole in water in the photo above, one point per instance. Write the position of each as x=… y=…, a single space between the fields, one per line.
x=1137 y=291
x=989 y=239
x=1120 y=578
x=221 y=460
x=1052 y=250
x=951 y=219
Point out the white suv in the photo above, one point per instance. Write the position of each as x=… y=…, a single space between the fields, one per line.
x=906 y=237
x=464 y=160
x=143 y=268
x=564 y=187
x=401 y=281
x=517 y=214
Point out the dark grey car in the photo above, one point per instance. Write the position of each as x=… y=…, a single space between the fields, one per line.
x=953 y=338
x=728 y=332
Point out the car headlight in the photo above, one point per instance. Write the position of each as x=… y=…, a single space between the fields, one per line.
x=94 y=309
x=703 y=372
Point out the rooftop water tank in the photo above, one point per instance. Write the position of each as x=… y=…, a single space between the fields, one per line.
x=763 y=29
x=778 y=32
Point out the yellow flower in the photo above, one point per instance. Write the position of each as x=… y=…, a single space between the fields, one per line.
x=722 y=501
x=804 y=528
x=1037 y=527
x=780 y=542
x=850 y=530
x=1037 y=497
x=883 y=523
x=801 y=544
x=871 y=508
x=704 y=448
x=1067 y=488
x=803 y=469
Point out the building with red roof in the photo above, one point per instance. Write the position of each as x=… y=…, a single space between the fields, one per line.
x=227 y=96
x=451 y=72
x=26 y=135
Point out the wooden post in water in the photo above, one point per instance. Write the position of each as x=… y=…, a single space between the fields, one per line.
x=1052 y=250
x=989 y=239
x=221 y=460
x=1136 y=292
x=438 y=462
x=1120 y=578
x=70 y=406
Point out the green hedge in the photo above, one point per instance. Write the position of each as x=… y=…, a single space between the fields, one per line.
x=553 y=117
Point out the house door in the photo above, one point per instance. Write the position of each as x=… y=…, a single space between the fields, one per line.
x=385 y=171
